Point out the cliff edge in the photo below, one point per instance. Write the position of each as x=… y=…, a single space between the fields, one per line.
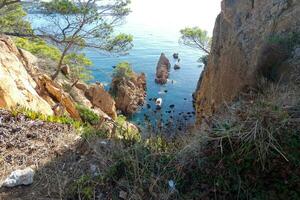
x=250 y=41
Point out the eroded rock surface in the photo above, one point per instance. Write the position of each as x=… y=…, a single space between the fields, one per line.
x=101 y=99
x=17 y=87
x=162 y=69
x=129 y=93
x=242 y=50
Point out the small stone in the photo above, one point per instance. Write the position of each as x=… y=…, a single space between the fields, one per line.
x=19 y=177
x=123 y=195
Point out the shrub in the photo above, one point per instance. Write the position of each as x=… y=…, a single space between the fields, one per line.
x=87 y=115
x=47 y=118
x=123 y=69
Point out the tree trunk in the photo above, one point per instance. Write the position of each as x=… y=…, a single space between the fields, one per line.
x=58 y=69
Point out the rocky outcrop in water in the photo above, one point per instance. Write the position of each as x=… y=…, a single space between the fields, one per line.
x=246 y=45
x=129 y=93
x=162 y=69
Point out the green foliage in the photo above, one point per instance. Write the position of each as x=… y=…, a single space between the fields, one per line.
x=119 y=43
x=12 y=19
x=204 y=60
x=47 y=118
x=85 y=24
x=196 y=38
x=129 y=135
x=87 y=115
x=90 y=132
x=123 y=70
x=287 y=41
x=39 y=48
x=80 y=66
x=61 y=6
x=79 y=63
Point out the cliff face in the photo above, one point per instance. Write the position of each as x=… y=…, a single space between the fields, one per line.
x=129 y=93
x=242 y=49
x=17 y=86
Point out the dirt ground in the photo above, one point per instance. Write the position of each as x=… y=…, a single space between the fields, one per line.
x=56 y=152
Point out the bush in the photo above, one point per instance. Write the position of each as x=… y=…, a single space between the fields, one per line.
x=87 y=115
x=47 y=118
x=123 y=69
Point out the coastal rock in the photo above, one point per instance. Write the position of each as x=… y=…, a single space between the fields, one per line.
x=175 y=55
x=162 y=69
x=177 y=66
x=129 y=93
x=17 y=87
x=81 y=86
x=65 y=69
x=241 y=49
x=19 y=177
x=101 y=99
x=58 y=95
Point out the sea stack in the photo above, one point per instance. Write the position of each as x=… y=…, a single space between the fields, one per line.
x=162 y=69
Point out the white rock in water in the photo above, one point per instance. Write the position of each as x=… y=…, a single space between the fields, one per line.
x=158 y=101
x=19 y=177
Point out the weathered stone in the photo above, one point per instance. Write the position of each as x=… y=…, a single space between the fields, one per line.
x=17 y=87
x=101 y=99
x=19 y=177
x=65 y=69
x=81 y=86
x=56 y=92
x=130 y=93
x=162 y=69
x=241 y=49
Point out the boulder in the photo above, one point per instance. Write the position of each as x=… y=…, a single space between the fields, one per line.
x=101 y=99
x=177 y=66
x=175 y=55
x=19 y=177
x=81 y=86
x=17 y=86
x=65 y=69
x=162 y=69
x=129 y=93
x=58 y=95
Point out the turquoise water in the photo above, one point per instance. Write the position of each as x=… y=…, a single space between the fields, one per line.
x=149 y=43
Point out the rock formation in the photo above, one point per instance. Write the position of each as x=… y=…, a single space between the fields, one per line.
x=17 y=86
x=242 y=50
x=101 y=99
x=129 y=93
x=162 y=69
x=23 y=84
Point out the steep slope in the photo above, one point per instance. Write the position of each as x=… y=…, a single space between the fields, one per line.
x=17 y=86
x=250 y=40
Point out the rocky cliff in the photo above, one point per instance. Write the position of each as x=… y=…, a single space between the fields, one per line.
x=251 y=38
x=17 y=86
x=129 y=93
x=24 y=84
